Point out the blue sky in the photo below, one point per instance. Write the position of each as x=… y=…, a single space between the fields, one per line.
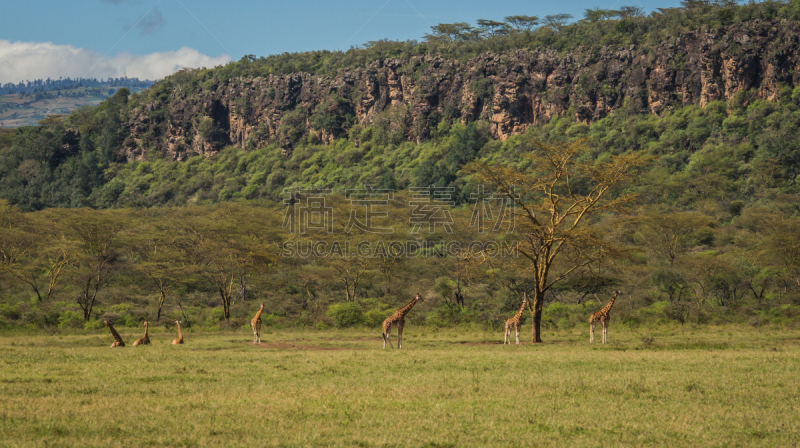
x=120 y=30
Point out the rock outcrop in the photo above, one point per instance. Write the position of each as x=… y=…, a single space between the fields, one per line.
x=510 y=90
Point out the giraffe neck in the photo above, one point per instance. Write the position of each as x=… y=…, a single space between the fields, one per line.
x=180 y=335
x=608 y=306
x=521 y=310
x=258 y=314
x=404 y=310
x=114 y=333
x=145 y=329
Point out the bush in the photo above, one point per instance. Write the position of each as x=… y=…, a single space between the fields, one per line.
x=95 y=324
x=374 y=318
x=346 y=314
x=216 y=314
x=70 y=319
x=447 y=315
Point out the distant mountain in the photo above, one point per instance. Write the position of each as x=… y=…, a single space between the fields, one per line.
x=44 y=85
x=27 y=103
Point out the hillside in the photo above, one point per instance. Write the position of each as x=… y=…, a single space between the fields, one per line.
x=510 y=90
x=194 y=173
x=411 y=113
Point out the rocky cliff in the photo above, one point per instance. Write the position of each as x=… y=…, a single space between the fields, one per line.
x=511 y=91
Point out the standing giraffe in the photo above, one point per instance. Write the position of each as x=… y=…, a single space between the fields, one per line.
x=256 y=325
x=602 y=316
x=398 y=320
x=180 y=335
x=117 y=338
x=516 y=321
x=144 y=339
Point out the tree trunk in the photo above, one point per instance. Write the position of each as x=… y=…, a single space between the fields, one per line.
x=161 y=300
x=536 y=317
x=226 y=303
x=242 y=288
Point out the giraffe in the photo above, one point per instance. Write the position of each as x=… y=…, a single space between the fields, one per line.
x=602 y=316
x=144 y=339
x=117 y=338
x=516 y=321
x=398 y=320
x=256 y=325
x=180 y=335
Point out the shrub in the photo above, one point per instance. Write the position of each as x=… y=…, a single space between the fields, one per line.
x=216 y=314
x=95 y=324
x=446 y=315
x=346 y=314
x=70 y=319
x=374 y=318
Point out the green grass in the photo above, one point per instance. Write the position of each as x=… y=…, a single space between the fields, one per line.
x=722 y=386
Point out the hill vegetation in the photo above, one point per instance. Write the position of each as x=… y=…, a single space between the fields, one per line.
x=713 y=234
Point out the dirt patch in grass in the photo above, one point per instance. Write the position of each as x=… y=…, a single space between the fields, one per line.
x=289 y=346
x=478 y=343
x=353 y=339
x=512 y=343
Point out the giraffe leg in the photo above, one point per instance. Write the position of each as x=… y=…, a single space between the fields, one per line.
x=517 y=336
x=258 y=332
x=400 y=338
x=506 y=336
x=591 y=332
x=605 y=331
x=387 y=338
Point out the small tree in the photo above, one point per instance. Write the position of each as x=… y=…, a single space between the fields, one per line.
x=31 y=252
x=97 y=237
x=557 y=21
x=226 y=245
x=555 y=196
x=522 y=23
x=669 y=234
x=157 y=258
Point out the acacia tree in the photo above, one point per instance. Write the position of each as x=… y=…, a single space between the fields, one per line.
x=223 y=247
x=97 y=237
x=32 y=250
x=156 y=257
x=522 y=23
x=782 y=241
x=669 y=234
x=555 y=195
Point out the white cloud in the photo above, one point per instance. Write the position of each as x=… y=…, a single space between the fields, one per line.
x=40 y=60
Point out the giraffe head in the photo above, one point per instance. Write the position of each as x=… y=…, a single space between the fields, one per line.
x=418 y=298
x=178 y=322
x=145 y=323
x=108 y=324
x=262 y=306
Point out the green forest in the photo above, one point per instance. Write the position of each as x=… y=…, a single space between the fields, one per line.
x=698 y=221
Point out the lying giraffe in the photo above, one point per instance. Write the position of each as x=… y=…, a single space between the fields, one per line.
x=144 y=339
x=117 y=338
x=516 y=321
x=602 y=316
x=180 y=335
x=255 y=324
x=398 y=320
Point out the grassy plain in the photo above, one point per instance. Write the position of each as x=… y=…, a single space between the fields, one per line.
x=677 y=386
